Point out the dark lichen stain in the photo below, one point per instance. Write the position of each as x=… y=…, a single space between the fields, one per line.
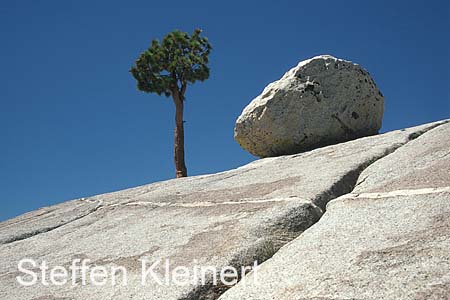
x=309 y=87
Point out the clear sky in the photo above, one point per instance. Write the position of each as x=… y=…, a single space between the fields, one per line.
x=72 y=123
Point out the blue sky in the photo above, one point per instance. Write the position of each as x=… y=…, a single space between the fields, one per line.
x=72 y=123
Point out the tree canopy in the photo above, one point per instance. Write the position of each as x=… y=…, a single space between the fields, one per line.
x=167 y=67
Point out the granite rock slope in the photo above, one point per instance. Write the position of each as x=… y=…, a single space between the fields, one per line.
x=229 y=218
x=321 y=101
x=387 y=239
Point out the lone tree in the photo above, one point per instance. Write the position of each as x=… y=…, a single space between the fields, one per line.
x=168 y=68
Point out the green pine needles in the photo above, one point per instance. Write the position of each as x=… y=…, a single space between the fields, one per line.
x=179 y=59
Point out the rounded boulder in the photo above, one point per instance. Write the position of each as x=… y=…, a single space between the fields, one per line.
x=322 y=101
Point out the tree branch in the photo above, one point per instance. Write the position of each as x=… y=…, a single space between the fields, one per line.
x=183 y=88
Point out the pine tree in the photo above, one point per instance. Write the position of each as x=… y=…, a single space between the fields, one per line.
x=167 y=68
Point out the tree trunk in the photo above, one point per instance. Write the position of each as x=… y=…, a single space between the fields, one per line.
x=180 y=165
